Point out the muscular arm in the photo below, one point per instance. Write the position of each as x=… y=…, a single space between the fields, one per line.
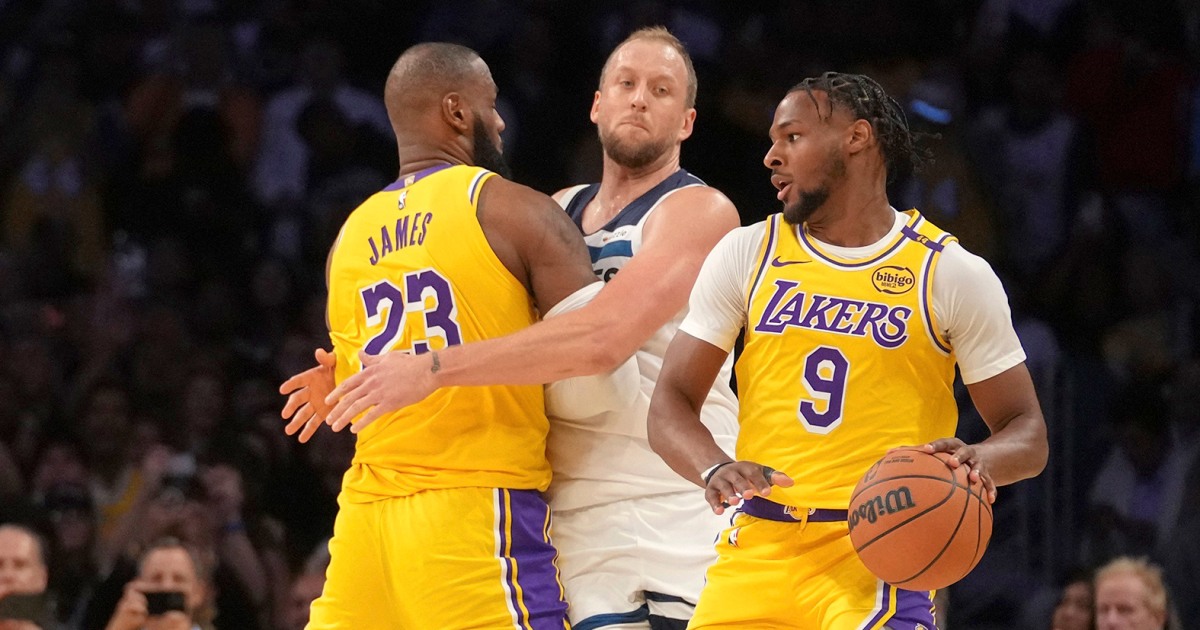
x=536 y=241
x=969 y=298
x=651 y=289
x=675 y=430
x=1017 y=448
x=647 y=292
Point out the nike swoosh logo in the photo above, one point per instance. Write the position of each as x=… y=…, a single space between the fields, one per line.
x=776 y=262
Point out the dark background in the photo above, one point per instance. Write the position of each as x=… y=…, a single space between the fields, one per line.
x=172 y=173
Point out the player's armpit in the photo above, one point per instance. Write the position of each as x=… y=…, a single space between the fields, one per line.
x=535 y=240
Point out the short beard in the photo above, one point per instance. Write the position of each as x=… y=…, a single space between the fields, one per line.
x=630 y=155
x=809 y=201
x=488 y=154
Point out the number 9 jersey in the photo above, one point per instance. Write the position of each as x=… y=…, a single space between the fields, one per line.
x=842 y=359
x=412 y=271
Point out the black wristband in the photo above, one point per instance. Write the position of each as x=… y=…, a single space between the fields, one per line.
x=708 y=474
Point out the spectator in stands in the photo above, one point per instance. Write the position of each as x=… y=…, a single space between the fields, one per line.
x=22 y=568
x=1130 y=595
x=167 y=566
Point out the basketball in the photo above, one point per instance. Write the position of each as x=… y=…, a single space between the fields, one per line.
x=917 y=524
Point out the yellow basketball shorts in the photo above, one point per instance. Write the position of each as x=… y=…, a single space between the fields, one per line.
x=443 y=560
x=790 y=571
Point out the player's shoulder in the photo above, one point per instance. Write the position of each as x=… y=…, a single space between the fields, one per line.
x=697 y=205
x=959 y=259
x=507 y=195
x=698 y=193
x=959 y=268
x=746 y=234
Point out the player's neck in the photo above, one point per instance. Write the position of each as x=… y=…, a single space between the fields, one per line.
x=415 y=158
x=853 y=220
x=619 y=185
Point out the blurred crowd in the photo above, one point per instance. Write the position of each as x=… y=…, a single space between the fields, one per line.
x=173 y=172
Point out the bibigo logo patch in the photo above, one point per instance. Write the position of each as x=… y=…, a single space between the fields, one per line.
x=893 y=280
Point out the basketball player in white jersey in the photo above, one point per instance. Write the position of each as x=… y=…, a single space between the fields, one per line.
x=634 y=538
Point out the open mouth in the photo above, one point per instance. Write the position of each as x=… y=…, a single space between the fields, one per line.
x=782 y=185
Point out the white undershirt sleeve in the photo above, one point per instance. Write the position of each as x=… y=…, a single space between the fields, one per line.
x=972 y=309
x=717 y=308
x=589 y=396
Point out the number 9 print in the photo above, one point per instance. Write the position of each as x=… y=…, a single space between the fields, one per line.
x=825 y=372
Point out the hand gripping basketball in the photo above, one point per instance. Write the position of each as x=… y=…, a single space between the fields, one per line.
x=733 y=483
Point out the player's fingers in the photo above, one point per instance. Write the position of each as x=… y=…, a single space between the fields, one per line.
x=369 y=359
x=714 y=501
x=297 y=381
x=347 y=386
x=981 y=476
x=351 y=412
x=944 y=445
x=337 y=417
x=294 y=402
x=310 y=428
x=325 y=358
x=964 y=455
x=302 y=418
x=725 y=490
x=781 y=480
x=366 y=420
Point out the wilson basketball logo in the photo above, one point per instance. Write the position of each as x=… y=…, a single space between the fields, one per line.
x=893 y=280
x=890 y=502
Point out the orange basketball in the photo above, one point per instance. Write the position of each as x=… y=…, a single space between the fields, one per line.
x=916 y=523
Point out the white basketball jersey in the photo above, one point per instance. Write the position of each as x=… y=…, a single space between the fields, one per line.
x=608 y=458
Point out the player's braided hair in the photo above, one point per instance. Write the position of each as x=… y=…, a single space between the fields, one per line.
x=865 y=99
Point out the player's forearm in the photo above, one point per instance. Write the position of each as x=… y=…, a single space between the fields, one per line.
x=574 y=344
x=1017 y=451
x=679 y=437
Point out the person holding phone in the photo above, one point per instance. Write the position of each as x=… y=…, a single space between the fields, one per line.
x=170 y=592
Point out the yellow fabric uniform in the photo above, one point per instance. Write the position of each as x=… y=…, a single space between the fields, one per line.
x=842 y=361
x=441 y=522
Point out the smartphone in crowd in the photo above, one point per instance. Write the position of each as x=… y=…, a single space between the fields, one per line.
x=161 y=602
x=23 y=607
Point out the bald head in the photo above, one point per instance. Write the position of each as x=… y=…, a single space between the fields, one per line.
x=441 y=100
x=426 y=73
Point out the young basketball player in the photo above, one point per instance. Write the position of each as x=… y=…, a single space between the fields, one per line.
x=855 y=315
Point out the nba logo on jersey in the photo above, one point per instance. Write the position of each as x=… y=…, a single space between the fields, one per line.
x=401 y=199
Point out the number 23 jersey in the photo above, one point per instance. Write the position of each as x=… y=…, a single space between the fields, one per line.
x=848 y=354
x=412 y=272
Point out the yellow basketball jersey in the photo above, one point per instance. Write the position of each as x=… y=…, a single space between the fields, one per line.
x=842 y=360
x=412 y=272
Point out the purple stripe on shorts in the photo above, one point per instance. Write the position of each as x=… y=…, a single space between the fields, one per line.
x=534 y=555
x=914 y=610
x=506 y=551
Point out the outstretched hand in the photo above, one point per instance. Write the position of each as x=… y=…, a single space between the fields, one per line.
x=963 y=454
x=387 y=382
x=306 y=394
x=741 y=481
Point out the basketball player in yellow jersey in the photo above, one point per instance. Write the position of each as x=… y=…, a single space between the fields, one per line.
x=441 y=522
x=855 y=315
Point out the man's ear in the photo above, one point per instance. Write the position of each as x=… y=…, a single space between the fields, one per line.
x=861 y=135
x=455 y=112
